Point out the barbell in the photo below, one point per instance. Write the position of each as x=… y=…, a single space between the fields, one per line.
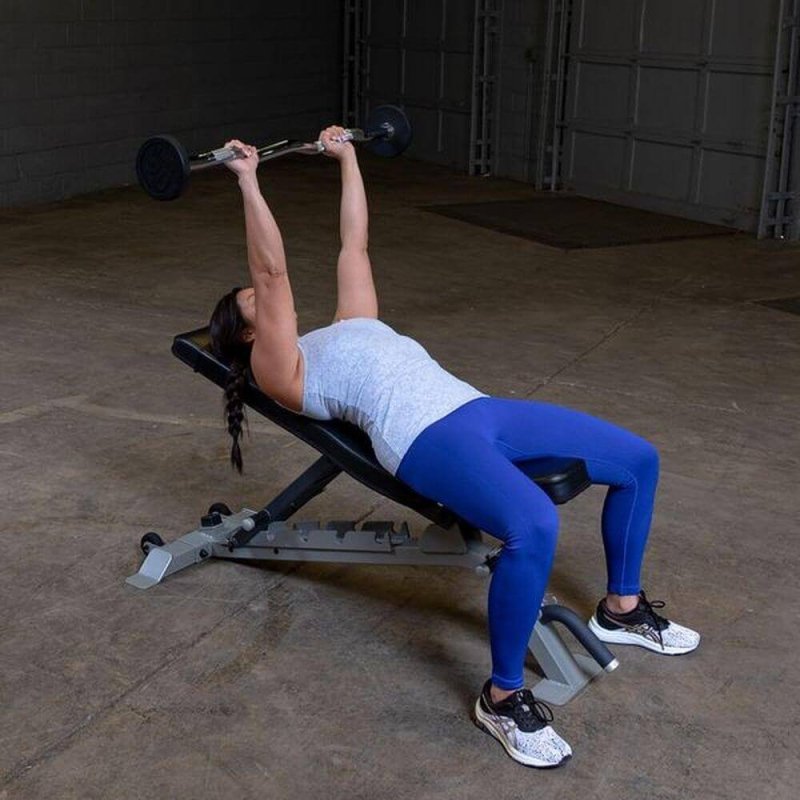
x=163 y=165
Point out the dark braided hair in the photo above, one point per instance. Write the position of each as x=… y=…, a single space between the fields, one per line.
x=227 y=329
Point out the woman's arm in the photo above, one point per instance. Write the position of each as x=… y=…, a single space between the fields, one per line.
x=275 y=359
x=356 y=296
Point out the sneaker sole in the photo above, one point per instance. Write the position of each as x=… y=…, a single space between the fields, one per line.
x=622 y=636
x=487 y=726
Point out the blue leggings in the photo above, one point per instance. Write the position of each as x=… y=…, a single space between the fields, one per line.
x=473 y=461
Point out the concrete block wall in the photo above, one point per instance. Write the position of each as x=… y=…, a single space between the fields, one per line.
x=83 y=82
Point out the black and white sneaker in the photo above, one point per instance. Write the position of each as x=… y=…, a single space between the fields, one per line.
x=520 y=724
x=643 y=627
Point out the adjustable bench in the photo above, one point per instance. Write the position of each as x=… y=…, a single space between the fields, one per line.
x=448 y=540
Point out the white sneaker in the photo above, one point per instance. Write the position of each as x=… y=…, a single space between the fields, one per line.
x=643 y=627
x=520 y=724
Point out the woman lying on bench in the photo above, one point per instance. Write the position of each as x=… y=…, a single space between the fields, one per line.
x=448 y=441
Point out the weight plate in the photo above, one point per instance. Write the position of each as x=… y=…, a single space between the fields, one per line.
x=399 y=137
x=162 y=167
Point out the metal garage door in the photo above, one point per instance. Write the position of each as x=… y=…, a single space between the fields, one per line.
x=668 y=104
x=418 y=54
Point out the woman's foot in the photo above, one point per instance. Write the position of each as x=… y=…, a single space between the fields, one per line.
x=643 y=627
x=521 y=724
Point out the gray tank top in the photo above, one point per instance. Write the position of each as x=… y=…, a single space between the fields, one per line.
x=362 y=371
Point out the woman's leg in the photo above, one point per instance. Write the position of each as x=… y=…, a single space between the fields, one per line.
x=454 y=463
x=627 y=464
x=526 y=430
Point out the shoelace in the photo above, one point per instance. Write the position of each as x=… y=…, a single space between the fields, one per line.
x=529 y=713
x=659 y=622
x=646 y=610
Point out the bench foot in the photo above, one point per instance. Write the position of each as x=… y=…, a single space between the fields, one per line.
x=196 y=546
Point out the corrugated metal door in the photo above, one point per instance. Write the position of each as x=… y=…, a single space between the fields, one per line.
x=418 y=54
x=668 y=104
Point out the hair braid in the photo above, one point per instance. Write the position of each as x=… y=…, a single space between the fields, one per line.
x=234 y=409
x=227 y=330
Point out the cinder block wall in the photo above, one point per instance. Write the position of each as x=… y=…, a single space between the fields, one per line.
x=83 y=82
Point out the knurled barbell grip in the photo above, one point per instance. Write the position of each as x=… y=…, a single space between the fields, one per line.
x=223 y=154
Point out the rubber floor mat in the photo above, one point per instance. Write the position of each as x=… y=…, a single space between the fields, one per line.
x=571 y=222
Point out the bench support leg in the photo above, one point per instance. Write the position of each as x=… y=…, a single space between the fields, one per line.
x=566 y=674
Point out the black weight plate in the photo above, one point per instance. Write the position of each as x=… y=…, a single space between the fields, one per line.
x=399 y=138
x=162 y=167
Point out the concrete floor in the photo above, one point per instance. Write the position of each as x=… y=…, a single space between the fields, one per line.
x=242 y=681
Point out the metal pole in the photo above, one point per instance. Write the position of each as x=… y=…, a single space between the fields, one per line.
x=475 y=110
x=559 y=103
x=789 y=113
x=357 y=57
x=346 y=66
x=547 y=80
x=769 y=166
x=485 y=93
x=794 y=145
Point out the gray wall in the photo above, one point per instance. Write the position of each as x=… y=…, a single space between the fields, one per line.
x=418 y=54
x=520 y=87
x=83 y=82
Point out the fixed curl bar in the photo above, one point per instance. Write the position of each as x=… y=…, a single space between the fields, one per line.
x=163 y=165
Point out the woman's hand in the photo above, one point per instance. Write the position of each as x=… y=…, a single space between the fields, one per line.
x=247 y=161
x=333 y=148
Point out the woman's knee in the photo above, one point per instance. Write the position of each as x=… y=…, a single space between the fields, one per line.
x=636 y=462
x=534 y=535
x=647 y=460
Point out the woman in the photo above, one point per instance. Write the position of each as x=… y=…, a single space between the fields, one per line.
x=448 y=441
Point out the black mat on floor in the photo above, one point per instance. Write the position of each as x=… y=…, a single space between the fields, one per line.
x=789 y=304
x=571 y=222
